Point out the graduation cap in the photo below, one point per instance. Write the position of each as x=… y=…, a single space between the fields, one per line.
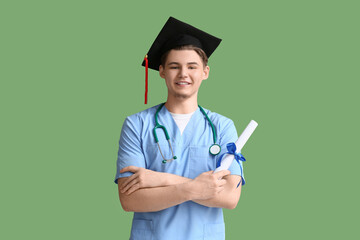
x=175 y=34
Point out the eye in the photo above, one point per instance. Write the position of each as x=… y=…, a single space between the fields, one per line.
x=174 y=67
x=192 y=67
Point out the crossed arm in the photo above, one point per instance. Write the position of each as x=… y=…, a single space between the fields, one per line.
x=149 y=191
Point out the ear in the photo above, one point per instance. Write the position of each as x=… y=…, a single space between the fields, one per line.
x=161 y=72
x=206 y=72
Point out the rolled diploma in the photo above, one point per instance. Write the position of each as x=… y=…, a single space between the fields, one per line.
x=245 y=135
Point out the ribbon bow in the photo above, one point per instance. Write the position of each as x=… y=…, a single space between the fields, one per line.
x=231 y=147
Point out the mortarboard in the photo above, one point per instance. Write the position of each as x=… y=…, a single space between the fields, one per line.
x=175 y=34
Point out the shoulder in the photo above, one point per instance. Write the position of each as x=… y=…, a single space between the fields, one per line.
x=225 y=127
x=217 y=118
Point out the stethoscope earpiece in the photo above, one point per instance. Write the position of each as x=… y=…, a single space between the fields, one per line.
x=169 y=160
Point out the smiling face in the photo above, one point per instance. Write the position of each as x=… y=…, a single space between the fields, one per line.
x=183 y=72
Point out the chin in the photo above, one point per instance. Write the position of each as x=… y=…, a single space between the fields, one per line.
x=182 y=96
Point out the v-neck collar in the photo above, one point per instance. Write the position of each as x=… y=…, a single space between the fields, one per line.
x=168 y=121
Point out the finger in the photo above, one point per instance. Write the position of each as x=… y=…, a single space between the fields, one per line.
x=129 y=169
x=126 y=188
x=129 y=179
x=220 y=189
x=222 y=182
x=133 y=188
x=222 y=173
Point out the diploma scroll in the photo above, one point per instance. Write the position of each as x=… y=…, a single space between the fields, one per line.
x=245 y=135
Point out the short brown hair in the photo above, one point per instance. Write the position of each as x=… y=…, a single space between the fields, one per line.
x=199 y=51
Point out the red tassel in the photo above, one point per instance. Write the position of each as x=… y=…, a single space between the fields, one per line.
x=146 y=77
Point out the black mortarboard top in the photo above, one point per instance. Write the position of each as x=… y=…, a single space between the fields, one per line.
x=175 y=34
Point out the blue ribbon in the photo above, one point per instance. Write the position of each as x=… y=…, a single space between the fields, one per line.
x=231 y=147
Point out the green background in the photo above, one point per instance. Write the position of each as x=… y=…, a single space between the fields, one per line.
x=70 y=73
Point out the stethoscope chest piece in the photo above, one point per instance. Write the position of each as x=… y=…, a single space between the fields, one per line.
x=215 y=149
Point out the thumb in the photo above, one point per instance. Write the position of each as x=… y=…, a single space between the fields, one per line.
x=205 y=173
x=222 y=173
x=129 y=169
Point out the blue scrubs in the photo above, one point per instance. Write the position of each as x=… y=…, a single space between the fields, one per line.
x=137 y=147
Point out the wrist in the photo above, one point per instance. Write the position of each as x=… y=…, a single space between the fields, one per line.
x=168 y=179
x=163 y=179
x=185 y=189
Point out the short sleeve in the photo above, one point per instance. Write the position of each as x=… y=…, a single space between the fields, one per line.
x=228 y=135
x=130 y=151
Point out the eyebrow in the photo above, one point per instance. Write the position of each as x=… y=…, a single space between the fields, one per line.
x=189 y=63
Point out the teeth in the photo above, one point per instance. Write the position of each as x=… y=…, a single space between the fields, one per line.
x=182 y=83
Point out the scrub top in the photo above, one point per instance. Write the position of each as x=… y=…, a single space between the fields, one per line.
x=137 y=147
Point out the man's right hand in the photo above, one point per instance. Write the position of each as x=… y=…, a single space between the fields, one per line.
x=207 y=185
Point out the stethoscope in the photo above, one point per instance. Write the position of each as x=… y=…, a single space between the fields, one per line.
x=214 y=148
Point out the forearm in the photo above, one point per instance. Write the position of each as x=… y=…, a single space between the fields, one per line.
x=228 y=198
x=154 y=199
x=173 y=179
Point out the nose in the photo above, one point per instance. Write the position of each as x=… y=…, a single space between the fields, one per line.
x=183 y=73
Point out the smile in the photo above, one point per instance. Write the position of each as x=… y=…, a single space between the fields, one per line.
x=182 y=83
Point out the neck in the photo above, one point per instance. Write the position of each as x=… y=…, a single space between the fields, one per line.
x=181 y=106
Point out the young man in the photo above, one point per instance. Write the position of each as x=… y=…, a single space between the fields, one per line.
x=167 y=178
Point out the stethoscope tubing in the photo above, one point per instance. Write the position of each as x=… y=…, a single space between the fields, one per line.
x=157 y=126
